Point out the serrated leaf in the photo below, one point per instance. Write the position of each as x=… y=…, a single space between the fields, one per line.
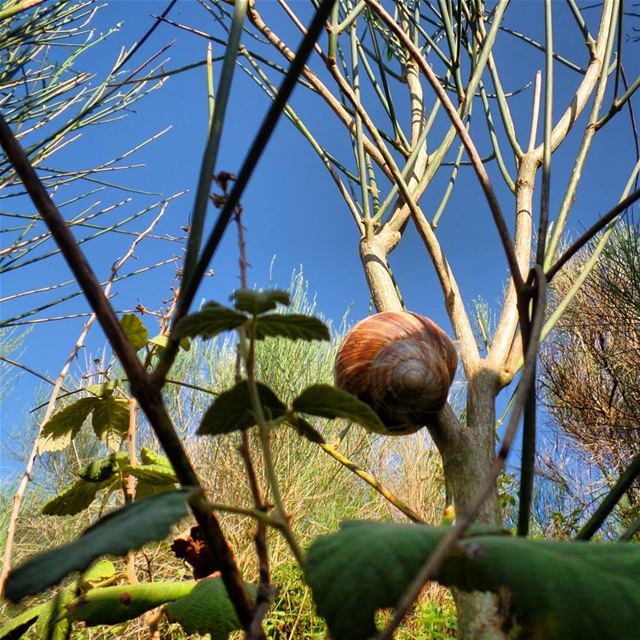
x=112 y=605
x=103 y=469
x=98 y=572
x=18 y=625
x=328 y=402
x=255 y=302
x=294 y=326
x=232 y=410
x=149 y=456
x=121 y=531
x=211 y=320
x=103 y=389
x=110 y=420
x=557 y=590
x=74 y=499
x=58 y=432
x=207 y=609
x=151 y=473
x=135 y=330
x=307 y=430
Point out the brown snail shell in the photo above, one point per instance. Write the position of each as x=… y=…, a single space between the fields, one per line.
x=401 y=364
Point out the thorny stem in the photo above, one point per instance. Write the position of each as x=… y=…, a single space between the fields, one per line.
x=148 y=396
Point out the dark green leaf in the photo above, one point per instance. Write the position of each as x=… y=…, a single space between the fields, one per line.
x=211 y=320
x=292 y=325
x=232 y=411
x=119 y=532
x=111 y=605
x=329 y=402
x=110 y=420
x=207 y=609
x=18 y=625
x=103 y=469
x=255 y=302
x=134 y=330
x=58 y=433
x=557 y=590
x=74 y=499
x=306 y=430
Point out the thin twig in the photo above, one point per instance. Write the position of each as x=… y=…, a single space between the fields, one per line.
x=592 y=231
x=148 y=396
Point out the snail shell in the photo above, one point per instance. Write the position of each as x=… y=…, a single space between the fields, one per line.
x=401 y=364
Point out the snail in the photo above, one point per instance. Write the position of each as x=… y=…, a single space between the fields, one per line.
x=401 y=364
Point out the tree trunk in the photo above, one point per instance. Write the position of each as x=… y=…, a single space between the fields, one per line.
x=467 y=451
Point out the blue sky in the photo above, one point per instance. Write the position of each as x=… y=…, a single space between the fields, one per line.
x=294 y=215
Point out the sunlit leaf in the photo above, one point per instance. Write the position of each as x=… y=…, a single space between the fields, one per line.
x=98 y=572
x=58 y=432
x=74 y=499
x=151 y=473
x=557 y=590
x=110 y=420
x=293 y=326
x=211 y=320
x=232 y=410
x=328 y=402
x=255 y=302
x=116 y=534
x=103 y=389
x=149 y=456
x=135 y=330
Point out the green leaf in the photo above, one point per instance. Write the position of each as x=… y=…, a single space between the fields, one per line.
x=51 y=623
x=306 y=430
x=103 y=469
x=116 y=534
x=557 y=590
x=18 y=625
x=99 y=572
x=162 y=341
x=103 y=389
x=134 y=330
x=256 y=302
x=110 y=420
x=207 y=609
x=328 y=402
x=112 y=605
x=149 y=456
x=151 y=473
x=294 y=326
x=211 y=320
x=58 y=432
x=74 y=499
x=232 y=411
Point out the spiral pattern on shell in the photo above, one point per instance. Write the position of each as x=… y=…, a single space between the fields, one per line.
x=401 y=364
